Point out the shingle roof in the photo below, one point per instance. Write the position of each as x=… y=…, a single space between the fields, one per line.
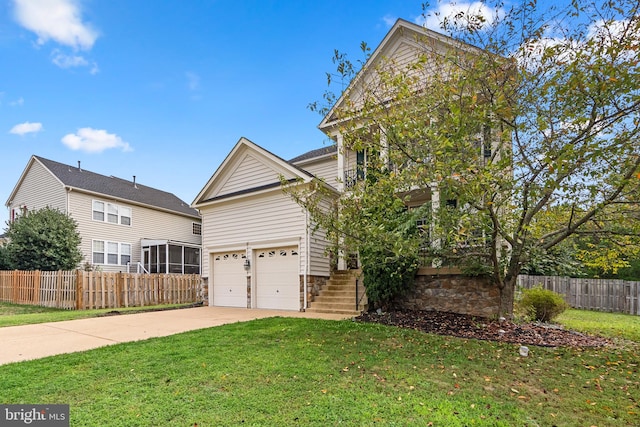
x=318 y=152
x=75 y=177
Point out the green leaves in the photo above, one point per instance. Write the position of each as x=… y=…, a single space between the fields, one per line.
x=44 y=239
x=531 y=133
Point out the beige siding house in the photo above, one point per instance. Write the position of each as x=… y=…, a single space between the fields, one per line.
x=258 y=248
x=124 y=226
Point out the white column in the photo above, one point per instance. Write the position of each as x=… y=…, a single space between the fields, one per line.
x=342 y=264
x=340 y=171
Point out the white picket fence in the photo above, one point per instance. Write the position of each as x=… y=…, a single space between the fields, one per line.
x=619 y=296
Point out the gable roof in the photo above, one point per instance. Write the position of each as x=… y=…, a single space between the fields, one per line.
x=83 y=180
x=318 y=152
x=401 y=32
x=245 y=152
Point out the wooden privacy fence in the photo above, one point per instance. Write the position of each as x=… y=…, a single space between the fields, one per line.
x=89 y=289
x=611 y=295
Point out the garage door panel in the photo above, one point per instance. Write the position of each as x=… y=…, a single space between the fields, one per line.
x=277 y=281
x=229 y=279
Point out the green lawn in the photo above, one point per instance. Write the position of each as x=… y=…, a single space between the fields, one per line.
x=280 y=372
x=16 y=314
x=615 y=325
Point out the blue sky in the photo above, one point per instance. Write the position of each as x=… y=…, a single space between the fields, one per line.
x=164 y=89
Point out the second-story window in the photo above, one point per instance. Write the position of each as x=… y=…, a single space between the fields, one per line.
x=98 y=211
x=110 y=212
x=125 y=215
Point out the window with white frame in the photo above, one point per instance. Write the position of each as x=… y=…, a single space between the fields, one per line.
x=112 y=213
x=125 y=253
x=111 y=253
x=196 y=228
x=98 y=211
x=98 y=252
x=125 y=215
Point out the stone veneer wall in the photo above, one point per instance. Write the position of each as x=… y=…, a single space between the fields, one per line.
x=314 y=284
x=448 y=290
x=204 y=291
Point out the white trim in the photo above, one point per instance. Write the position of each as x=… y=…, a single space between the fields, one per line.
x=275 y=242
x=224 y=248
x=106 y=252
x=239 y=151
x=105 y=212
x=132 y=202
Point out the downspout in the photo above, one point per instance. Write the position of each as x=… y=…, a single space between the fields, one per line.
x=68 y=197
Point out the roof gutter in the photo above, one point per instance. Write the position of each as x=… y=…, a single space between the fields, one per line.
x=145 y=205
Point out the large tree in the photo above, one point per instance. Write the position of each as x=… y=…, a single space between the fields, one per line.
x=533 y=110
x=44 y=239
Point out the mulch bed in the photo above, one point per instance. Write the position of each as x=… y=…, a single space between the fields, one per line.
x=465 y=326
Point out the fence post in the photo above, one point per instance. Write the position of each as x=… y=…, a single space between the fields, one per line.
x=119 y=287
x=37 y=285
x=79 y=289
x=14 y=286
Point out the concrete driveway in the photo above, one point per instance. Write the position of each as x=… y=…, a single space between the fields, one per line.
x=18 y=343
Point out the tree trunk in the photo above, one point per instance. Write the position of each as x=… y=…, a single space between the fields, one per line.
x=507 y=293
x=506 y=300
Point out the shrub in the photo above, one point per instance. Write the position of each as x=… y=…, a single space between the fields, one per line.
x=386 y=277
x=542 y=304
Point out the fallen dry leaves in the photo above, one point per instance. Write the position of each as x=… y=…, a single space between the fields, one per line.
x=465 y=326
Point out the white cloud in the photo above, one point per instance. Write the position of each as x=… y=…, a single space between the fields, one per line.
x=460 y=15
x=58 y=20
x=94 y=141
x=17 y=103
x=532 y=53
x=389 y=20
x=25 y=128
x=63 y=60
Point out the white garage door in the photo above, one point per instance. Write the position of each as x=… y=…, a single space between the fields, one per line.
x=277 y=278
x=229 y=279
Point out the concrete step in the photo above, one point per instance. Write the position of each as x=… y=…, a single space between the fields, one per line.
x=333 y=306
x=342 y=283
x=339 y=295
x=347 y=299
x=338 y=292
x=332 y=284
x=334 y=311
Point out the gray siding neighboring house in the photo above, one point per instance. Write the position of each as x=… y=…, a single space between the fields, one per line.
x=121 y=222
